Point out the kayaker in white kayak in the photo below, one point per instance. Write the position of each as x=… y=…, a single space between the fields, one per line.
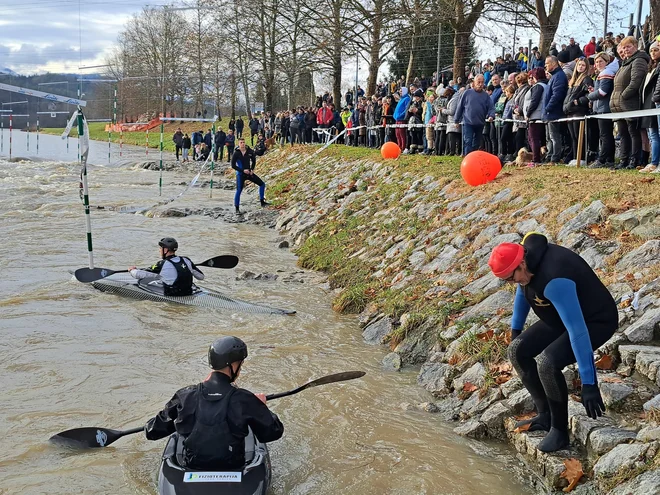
x=212 y=417
x=176 y=272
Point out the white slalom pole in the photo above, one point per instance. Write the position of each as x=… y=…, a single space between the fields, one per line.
x=83 y=145
x=37 y=135
x=160 y=180
x=28 y=135
x=10 y=128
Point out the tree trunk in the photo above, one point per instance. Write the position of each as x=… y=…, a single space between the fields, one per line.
x=411 y=57
x=461 y=42
x=374 y=51
x=233 y=95
x=655 y=16
x=337 y=45
x=548 y=23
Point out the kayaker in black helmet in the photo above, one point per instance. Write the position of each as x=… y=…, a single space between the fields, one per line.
x=176 y=272
x=212 y=417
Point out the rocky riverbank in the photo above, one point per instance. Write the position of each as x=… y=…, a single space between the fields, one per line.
x=405 y=245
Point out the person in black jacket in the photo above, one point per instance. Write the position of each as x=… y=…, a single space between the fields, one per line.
x=211 y=419
x=650 y=93
x=576 y=103
x=243 y=161
x=186 y=144
x=574 y=50
x=240 y=124
x=253 y=124
x=220 y=140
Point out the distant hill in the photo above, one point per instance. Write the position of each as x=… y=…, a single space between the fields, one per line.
x=8 y=72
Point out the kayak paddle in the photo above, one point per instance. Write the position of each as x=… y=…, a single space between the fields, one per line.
x=337 y=377
x=92 y=437
x=87 y=275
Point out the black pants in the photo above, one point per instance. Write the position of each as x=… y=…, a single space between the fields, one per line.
x=493 y=139
x=454 y=139
x=606 y=134
x=507 y=139
x=252 y=134
x=178 y=150
x=542 y=377
x=486 y=143
x=230 y=152
x=631 y=141
x=440 y=141
x=521 y=139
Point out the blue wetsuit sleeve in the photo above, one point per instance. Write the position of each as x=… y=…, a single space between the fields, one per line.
x=562 y=293
x=520 y=310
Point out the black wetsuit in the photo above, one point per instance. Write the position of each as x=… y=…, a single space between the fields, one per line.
x=212 y=420
x=578 y=315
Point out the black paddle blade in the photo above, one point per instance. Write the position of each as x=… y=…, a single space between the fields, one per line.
x=87 y=275
x=324 y=380
x=337 y=377
x=224 y=261
x=86 y=437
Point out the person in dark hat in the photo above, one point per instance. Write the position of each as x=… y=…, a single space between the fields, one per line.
x=415 y=113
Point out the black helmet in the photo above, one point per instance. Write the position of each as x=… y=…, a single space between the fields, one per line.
x=169 y=243
x=226 y=350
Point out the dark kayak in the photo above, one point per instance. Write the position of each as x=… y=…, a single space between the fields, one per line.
x=254 y=479
x=124 y=284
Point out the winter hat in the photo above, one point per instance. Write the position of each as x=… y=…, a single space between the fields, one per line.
x=564 y=57
x=505 y=258
x=419 y=92
x=655 y=44
x=404 y=91
x=440 y=90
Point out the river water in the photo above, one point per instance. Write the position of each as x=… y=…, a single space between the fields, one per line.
x=71 y=356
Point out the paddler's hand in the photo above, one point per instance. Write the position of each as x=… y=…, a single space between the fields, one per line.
x=132 y=268
x=261 y=397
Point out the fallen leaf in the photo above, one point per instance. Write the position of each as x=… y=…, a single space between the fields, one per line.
x=611 y=379
x=522 y=428
x=469 y=387
x=573 y=473
x=647 y=180
x=502 y=368
x=454 y=359
x=629 y=184
x=486 y=335
x=502 y=379
x=576 y=398
x=605 y=362
x=522 y=417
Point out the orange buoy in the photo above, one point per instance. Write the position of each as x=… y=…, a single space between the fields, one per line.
x=390 y=150
x=479 y=167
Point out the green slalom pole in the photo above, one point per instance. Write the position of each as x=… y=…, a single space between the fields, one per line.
x=160 y=181
x=212 y=158
x=83 y=163
x=37 y=135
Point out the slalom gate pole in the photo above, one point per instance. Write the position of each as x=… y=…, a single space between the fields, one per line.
x=146 y=144
x=83 y=162
x=212 y=159
x=2 y=135
x=121 y=140
x=37 y=135
x=109 y=139
x=160 y=180
x=10 y=129
x=27 y=138
x=67 y=144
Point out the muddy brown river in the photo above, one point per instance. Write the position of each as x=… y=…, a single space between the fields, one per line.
x=71 y=356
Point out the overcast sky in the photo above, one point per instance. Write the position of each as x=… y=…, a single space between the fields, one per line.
x=46 y=35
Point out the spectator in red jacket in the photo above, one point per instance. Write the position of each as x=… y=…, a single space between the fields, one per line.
x=590 y=48
x=324 y=116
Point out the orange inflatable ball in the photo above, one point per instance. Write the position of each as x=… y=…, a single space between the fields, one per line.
x=479 y=167
x=390 y=150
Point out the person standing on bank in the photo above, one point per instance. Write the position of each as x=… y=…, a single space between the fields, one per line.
x=212 y=418
x=243 y=161
x=577 y=315
x=177 y=139
x=473 y=108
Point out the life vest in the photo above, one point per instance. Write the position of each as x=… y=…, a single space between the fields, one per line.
x=211 y=444
x=182 y=286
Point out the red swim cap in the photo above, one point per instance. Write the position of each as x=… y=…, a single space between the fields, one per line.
x=505 y=258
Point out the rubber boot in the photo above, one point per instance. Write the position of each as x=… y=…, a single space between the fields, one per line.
x=540 y=422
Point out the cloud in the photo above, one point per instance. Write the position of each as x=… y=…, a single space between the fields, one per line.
x=38 y=37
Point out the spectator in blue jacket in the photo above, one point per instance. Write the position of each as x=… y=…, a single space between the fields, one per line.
x=474 y=107
x=553 y=102
x=400 y=113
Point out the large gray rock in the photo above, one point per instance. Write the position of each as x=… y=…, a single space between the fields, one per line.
x=476 y=405
x=392 y=362
x=647 y=364
x=472 y=429
x=603 y=440
x=648 y=434
x=620 y=290
x=475 y=375
x=595 y=255
x=513 y=385
x=647 y=483
x=654 y=403
x=614 y=392
x=594 y=213
x=644 y=256
x=642 y=329
x=375 y=332
x=629 y=353
x=494 y=417
x=630 y=219
x=623 y=456
x=569 y=212
x=486 y=235
x=490 y=305
x=435 y=377
x=520 y=402
x=486 y=283
x=582 y=426
x=443 y=261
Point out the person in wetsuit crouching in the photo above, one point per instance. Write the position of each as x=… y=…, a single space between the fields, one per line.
x=212 y=417
x=176 y=272
x=577 y=315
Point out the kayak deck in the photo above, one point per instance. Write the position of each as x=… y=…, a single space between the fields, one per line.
x=123 y=284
